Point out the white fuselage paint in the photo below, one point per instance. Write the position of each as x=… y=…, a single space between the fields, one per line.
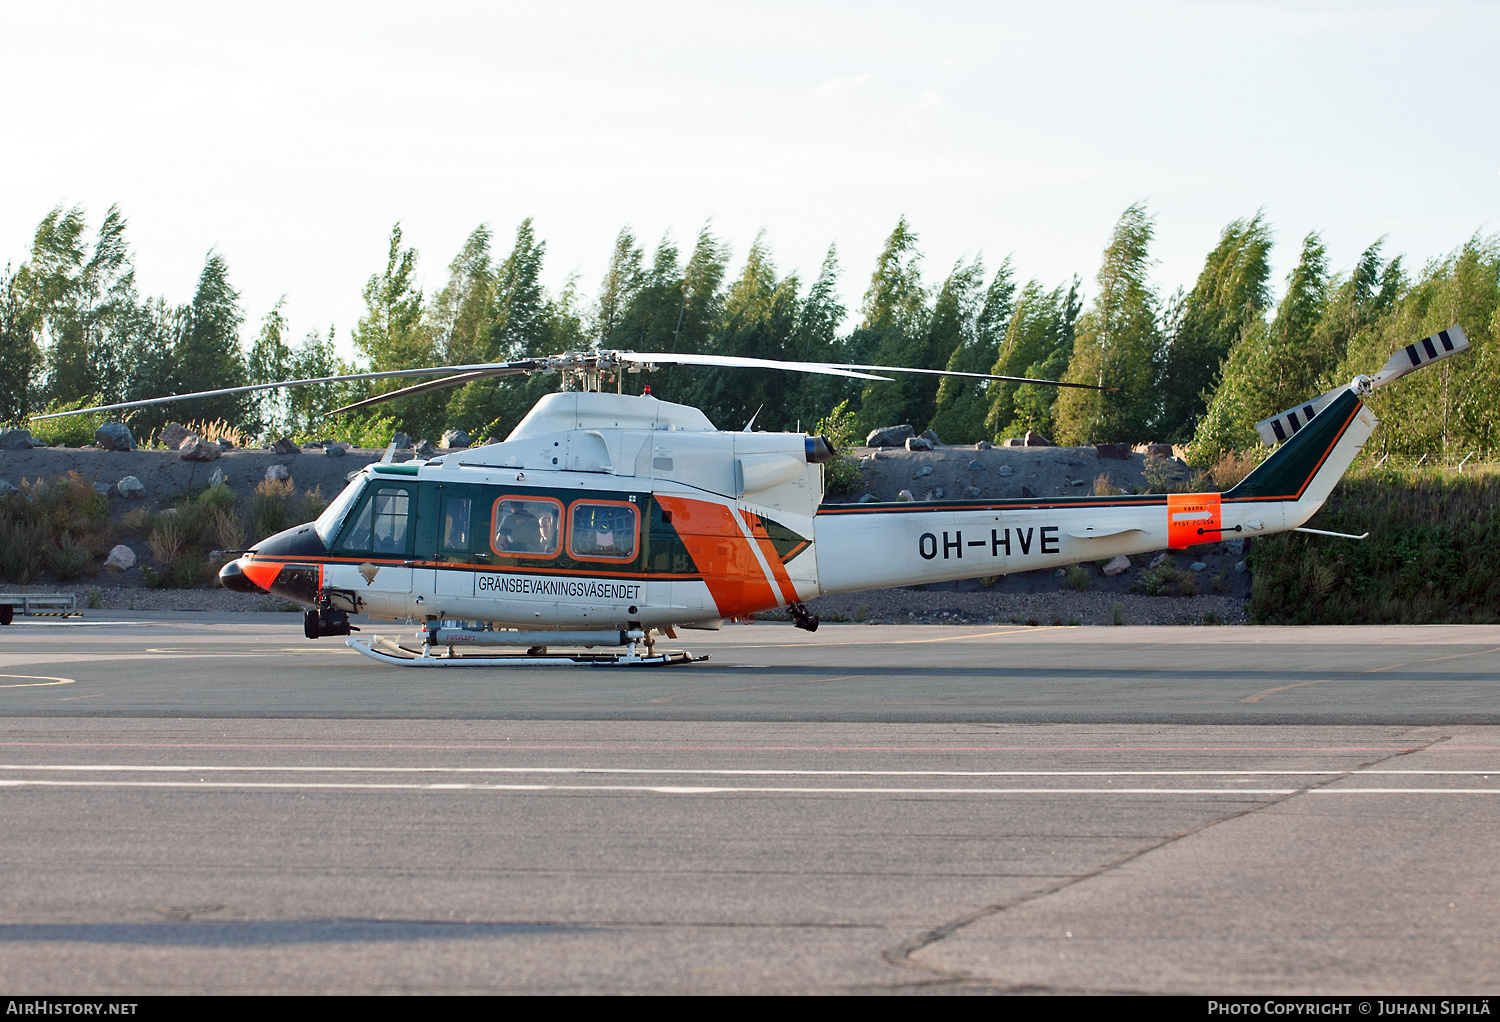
x=643 y=446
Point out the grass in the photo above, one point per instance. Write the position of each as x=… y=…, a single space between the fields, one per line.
x=1075 y=578
x=1433 y=555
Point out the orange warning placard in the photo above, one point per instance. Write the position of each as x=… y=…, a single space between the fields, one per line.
x=1192 y=518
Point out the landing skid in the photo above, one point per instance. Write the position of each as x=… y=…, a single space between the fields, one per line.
x=388 y=651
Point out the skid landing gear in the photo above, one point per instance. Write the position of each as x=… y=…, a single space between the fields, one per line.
x=387 y=650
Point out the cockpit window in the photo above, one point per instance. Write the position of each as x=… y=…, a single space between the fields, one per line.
x=382 y=524
x=327 y=525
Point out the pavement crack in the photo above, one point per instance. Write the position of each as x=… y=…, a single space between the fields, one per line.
x=901 y=954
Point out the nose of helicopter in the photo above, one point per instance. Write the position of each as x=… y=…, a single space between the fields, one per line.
x=233 y=578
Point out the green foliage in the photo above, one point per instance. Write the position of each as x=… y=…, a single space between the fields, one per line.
x=842 y=473
x=1433 y=554
x=1038 y=344
x=1075 y=578
x=373 y=432
x=1118 y=344
x=1228 y=300
x=269 y=507
x=20 y=352
x=963 y=404
x=72 y=430
x=23 y=550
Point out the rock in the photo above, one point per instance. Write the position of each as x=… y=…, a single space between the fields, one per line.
x=218 y=478
x=402 y=441
x=1026 y=492
x=918 y=443
x=1075 y=482
x=1158 y=561
x=226 y=443
x=1118 y=566
x=923 y=472
x=869 y=498
x=929 y=495
x=1160 y=450
x=275 y=473
x=196 y=449
x=931 y=437
x=983 y=445
x=454 y=439
x=976 y=466
x=335 y=449
x=120 y=558
x=970 y=492
x=937 y=493
x=1239 y=567
x=889 y=436
x=1016 y=442
x=172 y=435
x=1005 y=470
x=866 y=463
x=1235 y=546
x=904 y=496
x=103 y=488
x=284 y=446
x=1062 y=572
x=1120 y=452
x=114 y=436
x=1197 y=566
x=426 y=450
x=1035 y=439
x=131 y=487
x=16 y=440
x=6 y=486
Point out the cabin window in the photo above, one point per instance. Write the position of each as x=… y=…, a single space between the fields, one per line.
x=603 y=531
x=526 y=527
x=456 y=524
x=383 y=525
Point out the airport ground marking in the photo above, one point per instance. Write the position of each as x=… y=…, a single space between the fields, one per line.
x=709 y=771
x=665 y=789
x=38 y=681
x=1258 y=696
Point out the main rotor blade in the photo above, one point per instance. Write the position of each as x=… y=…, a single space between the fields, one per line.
x=984 y=376
x=858 y=372
x=740 y=362
x=521 y=366
x=423 y=388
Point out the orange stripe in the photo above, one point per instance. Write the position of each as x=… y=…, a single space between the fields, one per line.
x=722 y=553
x=768 y=549
x=260 y=573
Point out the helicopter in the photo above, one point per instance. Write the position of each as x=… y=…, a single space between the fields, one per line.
x=606 y=521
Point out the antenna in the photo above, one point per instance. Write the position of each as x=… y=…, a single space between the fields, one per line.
x=752 y=420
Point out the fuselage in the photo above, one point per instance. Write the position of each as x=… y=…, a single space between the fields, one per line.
x=609 y=511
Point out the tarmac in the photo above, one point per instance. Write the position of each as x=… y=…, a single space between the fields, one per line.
x=206 y=804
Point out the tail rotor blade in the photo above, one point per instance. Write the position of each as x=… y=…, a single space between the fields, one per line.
x=1281 y=427
x=1429 y=349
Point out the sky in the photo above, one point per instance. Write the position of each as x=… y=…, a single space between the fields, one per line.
x=290 y=137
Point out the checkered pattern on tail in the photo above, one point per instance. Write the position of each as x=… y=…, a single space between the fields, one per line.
x=1412 y=357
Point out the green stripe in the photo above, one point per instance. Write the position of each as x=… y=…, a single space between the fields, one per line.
x=1286 y=473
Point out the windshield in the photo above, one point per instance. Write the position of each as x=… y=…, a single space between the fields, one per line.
x=328 y=522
